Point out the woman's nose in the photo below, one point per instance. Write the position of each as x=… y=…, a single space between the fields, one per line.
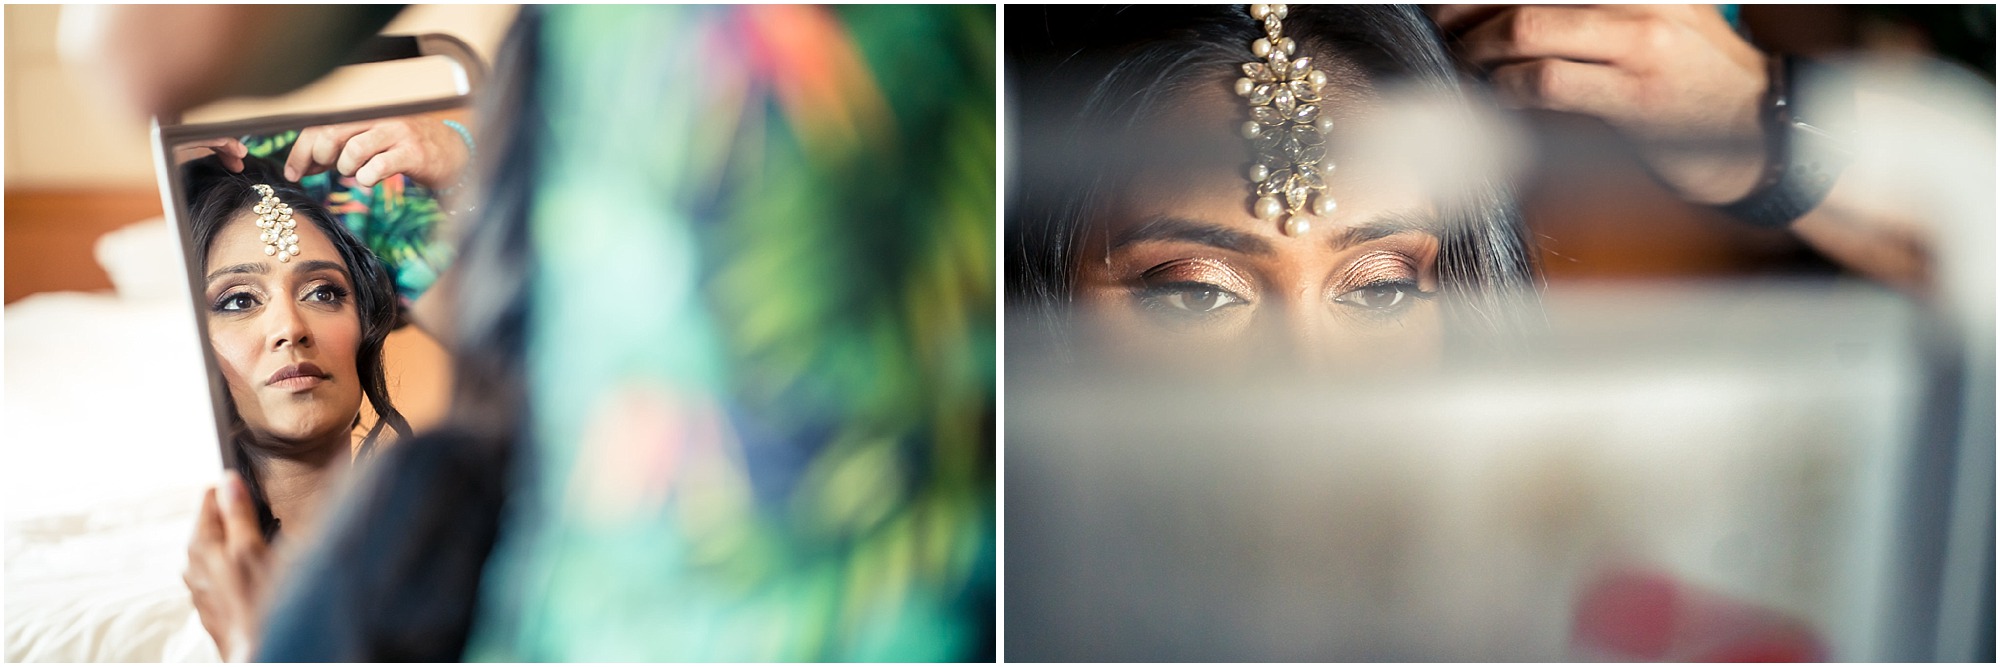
x=1296 y=332
x=1308 y=333
x=287 y=326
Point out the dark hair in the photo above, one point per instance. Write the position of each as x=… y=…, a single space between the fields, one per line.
x=1086 y=73
x=217 y=196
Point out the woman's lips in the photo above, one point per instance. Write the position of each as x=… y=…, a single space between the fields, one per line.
x=297 y=377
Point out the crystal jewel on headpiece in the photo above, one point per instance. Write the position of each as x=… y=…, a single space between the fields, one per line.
x=278 y=231
x=1287 y=131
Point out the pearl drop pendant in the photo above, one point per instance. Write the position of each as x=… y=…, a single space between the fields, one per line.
x=1269 y=207
x=1324 y=205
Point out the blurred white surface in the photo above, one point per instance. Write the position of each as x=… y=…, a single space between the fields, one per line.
x=1750 y=441
x=109 y=442
x=106 y=395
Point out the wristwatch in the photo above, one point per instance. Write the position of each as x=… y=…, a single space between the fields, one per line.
x=1807 y=141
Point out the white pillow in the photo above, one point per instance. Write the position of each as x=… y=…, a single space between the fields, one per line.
x=144 y=261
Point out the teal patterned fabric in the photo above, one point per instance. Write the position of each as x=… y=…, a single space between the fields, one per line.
x=761 y=350
x=396 y=218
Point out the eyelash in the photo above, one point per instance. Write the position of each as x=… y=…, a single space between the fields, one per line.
x=338 y=296
x=221 y=304
x=1406 y=295
x=1161 y=299
x=339 y=293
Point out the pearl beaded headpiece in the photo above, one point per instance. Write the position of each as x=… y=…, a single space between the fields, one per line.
x=1286 y=130
x=280 y=233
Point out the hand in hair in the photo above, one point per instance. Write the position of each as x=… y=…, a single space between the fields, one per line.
x=424 y=149
x=228 y=566
x=1675 y=79
x=228 y=150
x=1686 y=89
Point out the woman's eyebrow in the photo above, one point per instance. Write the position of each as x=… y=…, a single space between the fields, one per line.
x=310 y=266
x=251 y=267
x=1167 y=228
x=1384 y=225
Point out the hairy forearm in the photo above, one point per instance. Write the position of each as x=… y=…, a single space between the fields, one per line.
x=1869 y=240
x=433 y=311
x=165 y=59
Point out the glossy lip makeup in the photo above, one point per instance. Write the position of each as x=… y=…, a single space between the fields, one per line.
x=298 y=378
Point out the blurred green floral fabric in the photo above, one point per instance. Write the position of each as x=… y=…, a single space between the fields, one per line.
x=396 y=218
x=761 y=340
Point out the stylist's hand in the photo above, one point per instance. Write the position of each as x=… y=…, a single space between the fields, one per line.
x=1674 y=79
x=423 y=149
x=228 y=566
x=227 y=149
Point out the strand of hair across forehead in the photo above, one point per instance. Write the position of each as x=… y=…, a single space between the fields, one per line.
x=1287 y=130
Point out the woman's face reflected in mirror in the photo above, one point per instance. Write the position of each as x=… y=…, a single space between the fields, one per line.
x=384 y=218
x=1177 y=270
x=286 y=334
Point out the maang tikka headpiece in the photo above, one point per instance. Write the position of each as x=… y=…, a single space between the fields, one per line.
x=1286 y=129
x=280 y=235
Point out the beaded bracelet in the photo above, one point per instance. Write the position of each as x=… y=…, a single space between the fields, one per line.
x=471 y=152
x=465 y=134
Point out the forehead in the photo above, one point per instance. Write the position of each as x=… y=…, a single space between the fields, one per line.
x=237 y=242
x=1193 y=156
x=1199 y=119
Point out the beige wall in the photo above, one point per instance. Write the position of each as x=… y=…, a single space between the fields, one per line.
x=57 y=138
x=54 y=137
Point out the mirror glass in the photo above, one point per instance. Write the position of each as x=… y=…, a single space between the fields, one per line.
x=315 y=245
x=398 y=220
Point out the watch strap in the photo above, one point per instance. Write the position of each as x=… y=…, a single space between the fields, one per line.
x=1806 y=152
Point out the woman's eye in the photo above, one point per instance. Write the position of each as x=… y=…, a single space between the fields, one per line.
x=236 y=302
x=326 y=294
x=1200 y=300
x=1384 y=296
x=1196 y=298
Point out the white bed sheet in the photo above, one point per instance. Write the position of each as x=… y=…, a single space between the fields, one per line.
x=109 y=443
x=104 y=585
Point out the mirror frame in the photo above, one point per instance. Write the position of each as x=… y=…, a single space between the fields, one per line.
x=167 y=131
